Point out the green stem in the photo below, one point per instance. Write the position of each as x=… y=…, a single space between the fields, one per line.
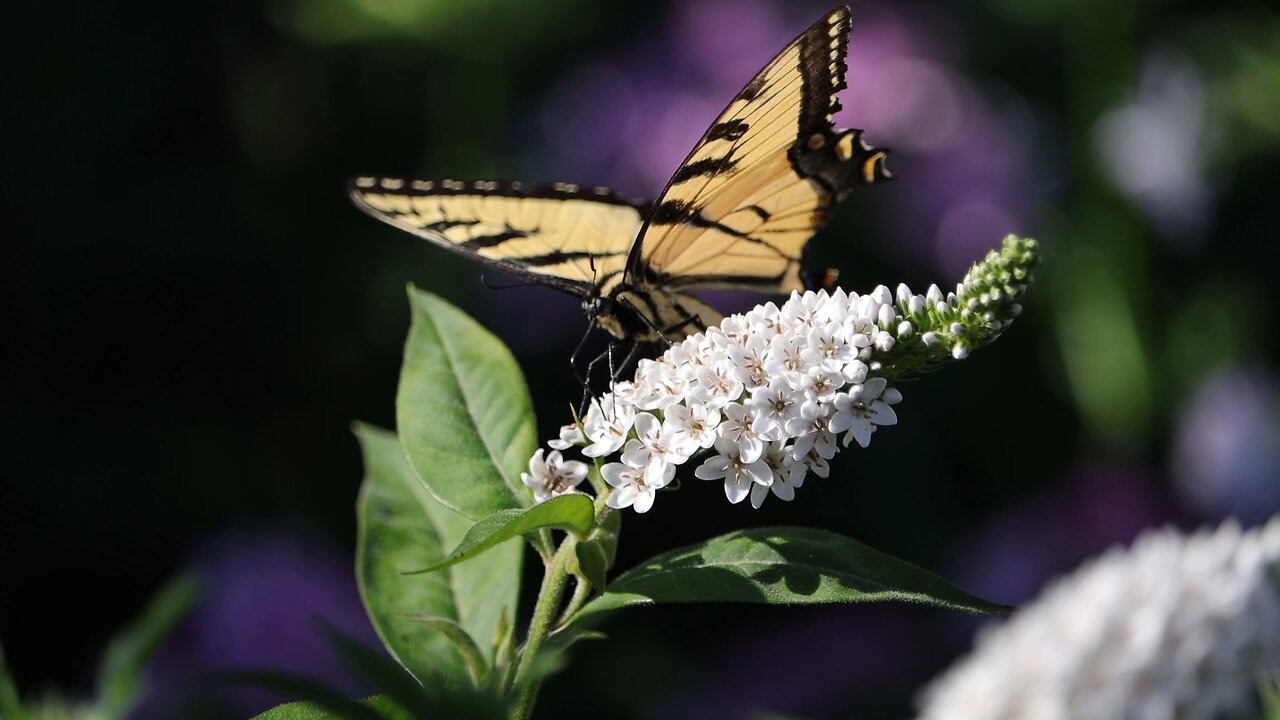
x=581 y=589
x=544 y=612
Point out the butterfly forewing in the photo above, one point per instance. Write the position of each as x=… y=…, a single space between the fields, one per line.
x=558 y=235
x=763 y=178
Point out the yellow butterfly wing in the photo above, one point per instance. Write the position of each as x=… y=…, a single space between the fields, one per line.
x=560 y=235
x=763 y=179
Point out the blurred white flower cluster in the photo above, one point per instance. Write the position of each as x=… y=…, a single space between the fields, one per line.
x=762 y=399
x=1183 y=627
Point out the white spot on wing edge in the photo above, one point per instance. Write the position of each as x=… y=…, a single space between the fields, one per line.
x=366 y=182
x=392 y=183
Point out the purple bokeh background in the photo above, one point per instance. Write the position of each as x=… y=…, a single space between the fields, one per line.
x=266 y=594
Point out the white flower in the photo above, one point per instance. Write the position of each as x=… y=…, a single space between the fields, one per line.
x=820 y=386
x=656 y=447
x=812 y=461
x=828 y=348
x=735 y=328
x=778 y=457
x=765 y=321
x=860 y=410
x=716 y=384
x=695 y=422
x=773 y=405
x=804 y=310
x=748 y=361
x=623 y=391
x=738 y=472
x=661 y=384
x=552 y=476
x=737 y=429
x=570 y=435
x=813 y=435
x=1178 y=626
x=785 y=358
x=856 y=372
x=607 y=423
x=885 y=341
x=630 y=488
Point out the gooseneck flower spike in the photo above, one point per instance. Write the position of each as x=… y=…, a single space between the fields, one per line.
x=763 y=399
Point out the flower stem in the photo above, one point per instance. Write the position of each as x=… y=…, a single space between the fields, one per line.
x=581 y=589
x=544 y=613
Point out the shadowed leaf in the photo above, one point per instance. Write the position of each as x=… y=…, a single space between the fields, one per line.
x=782 y=566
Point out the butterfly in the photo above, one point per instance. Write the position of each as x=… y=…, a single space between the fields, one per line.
x=737 y=213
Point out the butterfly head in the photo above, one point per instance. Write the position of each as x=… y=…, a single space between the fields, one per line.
x=596 y=306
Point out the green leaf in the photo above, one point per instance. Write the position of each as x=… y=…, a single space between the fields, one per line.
x=782 y=566
x=608 y=525
x=122 y=663
x=401 y=527
x=383 y=674
x=592 y=563
x=463 y=411
x=314 y=692
x=10 y=702
x=573 y=512
x=477 y=666
x=296 y=711
x=311 y=711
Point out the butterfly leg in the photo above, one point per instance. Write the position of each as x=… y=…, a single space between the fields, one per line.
x=693 y=320
x=652 y=326
x=631 y=355
x=586 y=381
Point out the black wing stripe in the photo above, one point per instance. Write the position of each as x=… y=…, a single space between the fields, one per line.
x=497 y=188
x=707 y=167
x=490 y=241
x=819 y=101
x=728 y=130
x=556 y=258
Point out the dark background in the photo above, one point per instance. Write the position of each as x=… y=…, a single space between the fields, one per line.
x=196 y=313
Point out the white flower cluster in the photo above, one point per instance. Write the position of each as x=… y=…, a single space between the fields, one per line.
x=1179 y=627
x=763 y=396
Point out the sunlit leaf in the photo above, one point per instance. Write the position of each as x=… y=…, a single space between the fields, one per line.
x=463 y=411
x=572 y=512
x=401 y=528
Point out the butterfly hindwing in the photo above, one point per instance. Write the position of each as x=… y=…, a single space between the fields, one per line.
x=560 y=235
x=763 y=178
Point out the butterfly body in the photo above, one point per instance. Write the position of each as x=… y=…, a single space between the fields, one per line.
x=737 y=213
